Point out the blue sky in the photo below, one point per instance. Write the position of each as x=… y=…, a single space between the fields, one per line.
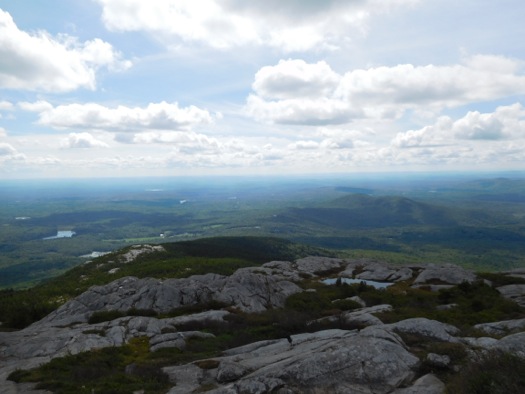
x=174 y=87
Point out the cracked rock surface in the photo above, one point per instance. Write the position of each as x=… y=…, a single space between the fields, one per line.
x=373 y=359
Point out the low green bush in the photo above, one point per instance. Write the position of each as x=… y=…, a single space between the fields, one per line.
x=118 y=370
x=493 y=373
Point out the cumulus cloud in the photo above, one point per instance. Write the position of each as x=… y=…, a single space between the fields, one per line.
x=294 y=77
x=295 y=92
x=82 y=141
x=296 y=25
x=41 y=62
x=506 y=122
x=37 y=106
x=163 y=115
x=320 y=111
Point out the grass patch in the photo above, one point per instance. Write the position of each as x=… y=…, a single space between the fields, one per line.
x=119 y=370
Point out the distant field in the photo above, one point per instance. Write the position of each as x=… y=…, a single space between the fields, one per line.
x=474 y=222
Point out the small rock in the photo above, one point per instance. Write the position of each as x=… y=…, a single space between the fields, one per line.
x=230 y=371
x=438 y=360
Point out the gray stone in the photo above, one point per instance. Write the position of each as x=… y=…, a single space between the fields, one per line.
x=314 y=265
x=515 y=293
x=187 y=378
x=358 y=299
x=326 y=361
x=427 y=384
x=502 y=327
x=481 y=342
x=175 y=340
x=438 y=360
x=382 y=272
x=230 y=371
x=247 y=289
x=444 y=274
x=138 y=250
x=364 y=316
x=425 y=328
x=514 y=344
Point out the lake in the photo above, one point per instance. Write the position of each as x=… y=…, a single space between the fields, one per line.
x=377 y=285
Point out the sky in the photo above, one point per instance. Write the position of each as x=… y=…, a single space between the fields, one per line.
x=125 y=88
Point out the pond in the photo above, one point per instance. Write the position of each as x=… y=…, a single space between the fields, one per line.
x=377 y=285
x=62 y=234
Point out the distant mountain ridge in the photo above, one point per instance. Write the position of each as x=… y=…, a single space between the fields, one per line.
x=363 y=211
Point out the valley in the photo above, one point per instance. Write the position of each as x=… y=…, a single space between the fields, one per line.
x=476 y=221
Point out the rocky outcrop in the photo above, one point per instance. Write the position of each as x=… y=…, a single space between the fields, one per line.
x=334 y=361
x=372 y=358
x=138 y=250
x=44 y=341
x=248 y=289
x=376 y=271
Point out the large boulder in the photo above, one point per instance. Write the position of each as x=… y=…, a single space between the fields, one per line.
x=382 y=272
x=335 y=361
x=444 y=274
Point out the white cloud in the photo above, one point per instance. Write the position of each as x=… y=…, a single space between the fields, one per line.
x=83 y=141
x=294 y=92
x=438 y=86
x=187 y=141
x=505 y=123
x=295 y=25
x=2 y=132
x=163 y=115
x=41 y=62
x=304 y=145
x=5 y=105
x=37 y=106
x=292 y=78
x=320 y=111
x=7 y=149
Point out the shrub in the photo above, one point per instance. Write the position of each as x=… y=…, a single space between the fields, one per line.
x=493 y=373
